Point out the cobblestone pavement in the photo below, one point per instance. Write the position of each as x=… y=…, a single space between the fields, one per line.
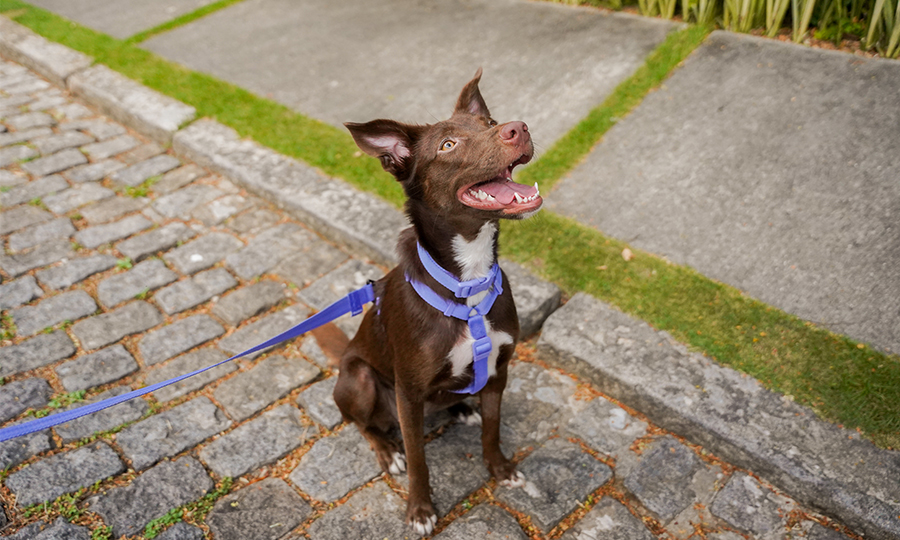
x=125 y=265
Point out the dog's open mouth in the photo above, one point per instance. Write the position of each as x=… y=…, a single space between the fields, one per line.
x=501 y=193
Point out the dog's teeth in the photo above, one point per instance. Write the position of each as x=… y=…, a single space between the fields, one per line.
x=519 y=198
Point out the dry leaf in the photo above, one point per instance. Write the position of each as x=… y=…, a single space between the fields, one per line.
x=627 y=254
x=603 y=267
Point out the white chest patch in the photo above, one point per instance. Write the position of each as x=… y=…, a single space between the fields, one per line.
x=476 y=258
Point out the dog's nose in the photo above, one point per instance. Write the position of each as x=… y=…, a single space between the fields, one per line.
x=514 y=133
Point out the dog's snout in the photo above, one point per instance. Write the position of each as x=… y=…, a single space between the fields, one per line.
x=515 y=133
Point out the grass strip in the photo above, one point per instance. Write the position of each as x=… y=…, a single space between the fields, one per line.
x=569 y=150
x=842 y=380
x=181 y=21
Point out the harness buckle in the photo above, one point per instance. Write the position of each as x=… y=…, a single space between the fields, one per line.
x=481 y=349
x=476 y=326
x=464 y=291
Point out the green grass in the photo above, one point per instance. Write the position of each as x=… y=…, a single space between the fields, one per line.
x=197 y=510
x=844 y=381
x=181 y=21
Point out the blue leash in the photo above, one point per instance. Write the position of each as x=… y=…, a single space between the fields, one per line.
x=352 y=303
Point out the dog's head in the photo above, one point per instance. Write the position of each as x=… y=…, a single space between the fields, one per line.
x=461 y=166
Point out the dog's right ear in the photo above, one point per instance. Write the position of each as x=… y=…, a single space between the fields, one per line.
x=389 y=141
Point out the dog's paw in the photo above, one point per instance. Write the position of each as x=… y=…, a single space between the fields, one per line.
x=470 y=419
x=398 y=463
x=424 y=525
x=515 y=481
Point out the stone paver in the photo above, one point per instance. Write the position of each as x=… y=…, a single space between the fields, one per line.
x=42 y=255
x=33 y=190
x=606 y=427
x=20 y=291
x=217 y=211
x=336 y=465
x=63 y=473
x=376 y=512
x=485 y=521
x=13 y=154
x=36 y=352
x=104 y=420
x=169 y=433
x=180 y=203
x=67 y=139
x=185 y=364
x=38 y=234
x=17 y=396
x=266 y=510
x=58 y=530
x=80 y=195
x=103 y=366
x=194 y=291
x=558 y=476
x=178 y=178
x=68 y=306
x=268 y=327
x=537 y=401
x=110 y=147
x=91 y=172
x=609 y=520
x=267 y=249
x=74 y=270
x=318 y=402
x=662 y=480
x=21 y=217
x=112 y=208
x=112 y=326
x=144 y=276
x=256 y=443
x=178 y=337
x=246 y=302
x=743 y=492
x=98 y=235
x=313 y=261
x=272 y=378
x=137 y=173
x=15 y=451
x=181 y=531
x=164 y=487
x=54 y=163
x=202 y=253
x=159 y=239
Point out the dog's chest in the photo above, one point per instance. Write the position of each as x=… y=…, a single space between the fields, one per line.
x=476 y=259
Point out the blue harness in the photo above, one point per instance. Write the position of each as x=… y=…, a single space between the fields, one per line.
x=474 y=316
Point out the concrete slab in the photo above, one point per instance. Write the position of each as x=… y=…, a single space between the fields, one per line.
x=768 y=166
x=363 y=59
x=121 y=18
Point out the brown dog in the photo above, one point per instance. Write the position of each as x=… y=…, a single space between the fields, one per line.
x=408 y=358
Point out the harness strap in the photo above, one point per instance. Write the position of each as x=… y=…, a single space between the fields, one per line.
x=474 y=316
x=352 y=303
x=461 y=289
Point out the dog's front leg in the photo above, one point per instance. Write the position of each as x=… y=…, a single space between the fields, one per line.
x=491 y=396
x=420 y=513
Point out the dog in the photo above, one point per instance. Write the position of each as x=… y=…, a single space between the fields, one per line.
x=408 y=358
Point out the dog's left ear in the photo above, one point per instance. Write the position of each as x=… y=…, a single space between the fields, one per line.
x=470 y=100
x=389 y=141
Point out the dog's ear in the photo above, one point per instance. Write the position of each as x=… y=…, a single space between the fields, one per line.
x=470 y=100
x=389 y=141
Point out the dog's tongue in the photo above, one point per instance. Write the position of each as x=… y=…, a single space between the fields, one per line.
x=505 y=192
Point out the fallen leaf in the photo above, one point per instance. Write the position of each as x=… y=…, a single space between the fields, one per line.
x=627 y=254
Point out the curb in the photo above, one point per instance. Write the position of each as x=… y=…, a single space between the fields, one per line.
x=822 y=465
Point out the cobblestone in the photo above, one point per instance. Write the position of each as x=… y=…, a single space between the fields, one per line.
x=181 y=531
x=178 y=178
x=251 y=391
x=249 y=301
x=743 y=492
x=180 y=203
x=171 y=432
x=258 y=442
x=144 y=276
x=59 y=530
x=33 y=190
x=318 y=402
x=67 y=139
x=267 y=249
x=68 y=306
x=336 y=465
x=42 y=255
x=14 y=154
x=112 y=208
x=80 y=195
x=106 y=365
x=73 y=271
x=178 y=337
x=611 y=521
x=38 y=351
x=101 y=129
x=91 y=172
x=23 y=216
x=9 y=179
x=217 y=211
x=316 y=259
x=376 y=512
x=110 y=147
x=20 y=291
x=98 y=235
x=606 y=427
x=266 y=510
x=254 y=221
x=29 y=120
x=64 y=473
x=187 y=363
x=54 y=163
x=485 y=521
x=38 y=234
x=268 y=327
x=17 y=396
x=164 y=487
x=662 y=479
x=137 y=173
x=105 y=419
x=141 y=153
x=156 y=240
x=112 y=326
x=558 y=476
x=15 y=451
x=202 y=253
x=194 y=291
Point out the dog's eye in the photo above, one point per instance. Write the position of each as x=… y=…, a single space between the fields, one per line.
x=447 y=145
x=492 y=122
